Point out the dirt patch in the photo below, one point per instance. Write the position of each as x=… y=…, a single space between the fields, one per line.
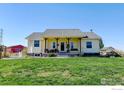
x=6 y=74
x=47 y=74
x=66 y=74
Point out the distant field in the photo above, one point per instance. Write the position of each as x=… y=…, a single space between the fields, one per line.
x=62 y=71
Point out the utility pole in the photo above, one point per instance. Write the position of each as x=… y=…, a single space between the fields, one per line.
x=1 y=41
x=1 y=36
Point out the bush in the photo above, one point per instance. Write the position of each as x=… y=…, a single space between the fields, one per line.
x=54 y=51
x=74 y=49
x=52 y=55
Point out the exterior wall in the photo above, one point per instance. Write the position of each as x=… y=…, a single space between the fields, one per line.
x=50 y=41
x=32 y=49
x=42 y=45
x=65 y=42
x=95 y=46
x=76 y=44
x=17 y=54
x=74 y=40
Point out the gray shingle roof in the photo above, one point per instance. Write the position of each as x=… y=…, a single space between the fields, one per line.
x=35 y=35
x=91 y=35
x=63 y=33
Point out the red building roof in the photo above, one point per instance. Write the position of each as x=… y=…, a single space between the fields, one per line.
x=16 y=48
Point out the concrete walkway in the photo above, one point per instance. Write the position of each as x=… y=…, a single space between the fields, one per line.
x=11 y=58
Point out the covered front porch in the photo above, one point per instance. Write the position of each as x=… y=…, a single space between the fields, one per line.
x=62 y=45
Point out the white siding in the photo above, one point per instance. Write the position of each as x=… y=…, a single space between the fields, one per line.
x=32 y=49
x=95 y=46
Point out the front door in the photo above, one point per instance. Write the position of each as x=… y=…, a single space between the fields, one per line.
x=62 y=46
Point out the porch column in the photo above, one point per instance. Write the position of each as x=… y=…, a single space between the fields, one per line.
x=57 y=43
x=80 y=44
x=45 y=45
x=68 y=45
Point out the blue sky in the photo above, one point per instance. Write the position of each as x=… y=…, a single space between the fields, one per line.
x=20 y=20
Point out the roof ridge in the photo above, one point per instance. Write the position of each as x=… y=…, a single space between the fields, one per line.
x=64 y=33
x=36 y=32
x=64 y=29
x=16 y=45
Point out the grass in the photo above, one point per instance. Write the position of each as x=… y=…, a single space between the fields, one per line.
x=62 y=71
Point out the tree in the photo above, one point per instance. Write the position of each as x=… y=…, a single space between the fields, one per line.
x=101 y=44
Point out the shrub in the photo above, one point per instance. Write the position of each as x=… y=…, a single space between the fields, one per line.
x=74 y=49
x=52 y=55
x=54 y=51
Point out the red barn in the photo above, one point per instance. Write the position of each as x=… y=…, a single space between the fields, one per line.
x=15 y=50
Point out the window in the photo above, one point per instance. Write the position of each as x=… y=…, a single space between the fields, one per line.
x=36 y=43
x=72 y=45
x=89 y=45
x=54 y=45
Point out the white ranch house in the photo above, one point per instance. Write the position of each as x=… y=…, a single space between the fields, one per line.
x=64 y=41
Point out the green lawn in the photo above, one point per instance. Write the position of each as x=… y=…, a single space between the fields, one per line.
x=62 y=71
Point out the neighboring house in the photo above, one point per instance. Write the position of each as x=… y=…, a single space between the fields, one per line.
x=16 y=51
x=64 y=41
